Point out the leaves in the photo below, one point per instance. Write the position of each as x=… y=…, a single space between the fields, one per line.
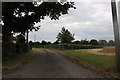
x=21 y=16
x=65 y=36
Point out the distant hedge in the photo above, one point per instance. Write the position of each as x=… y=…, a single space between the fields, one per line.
x=70 y=46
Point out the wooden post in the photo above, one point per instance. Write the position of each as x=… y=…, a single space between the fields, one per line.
x=116 y=33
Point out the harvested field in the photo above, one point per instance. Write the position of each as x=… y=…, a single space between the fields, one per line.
x=107 y=51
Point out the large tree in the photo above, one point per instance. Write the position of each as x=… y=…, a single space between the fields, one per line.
x=20 y=39
x=94 y=42
x=65 y=36
x=111 y=43
x=22 y=16
x=103 y=42
x=84 y=41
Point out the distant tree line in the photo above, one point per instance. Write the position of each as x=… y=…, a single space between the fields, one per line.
x=82 y=42
x=66 y=37
x=96 y=42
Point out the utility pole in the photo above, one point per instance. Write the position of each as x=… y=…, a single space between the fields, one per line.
x=116 y=33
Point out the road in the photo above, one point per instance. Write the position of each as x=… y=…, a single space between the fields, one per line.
x=49 y=64
x=0 y=60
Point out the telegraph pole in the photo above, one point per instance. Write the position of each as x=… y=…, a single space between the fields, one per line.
x=116 y=33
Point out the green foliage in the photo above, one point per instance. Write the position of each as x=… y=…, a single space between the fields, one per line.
x=31 y=44
x=9 y=47
x=20 y=39
x=12 y=14
x=49 y=43
x=21 y=48
x=84 y=41
x=94 y=42
x=43 y=42
x=76 y=42
x=18 y=58
x=56 y=42
x=70 y=46
x=65 y=36
x=15 y=21
x=111 y=43
x=103 y=42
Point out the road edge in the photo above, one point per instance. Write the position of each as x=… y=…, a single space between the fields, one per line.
x=88 y=66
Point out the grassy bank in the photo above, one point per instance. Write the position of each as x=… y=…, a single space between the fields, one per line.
x=25 y=57
x=106 y=63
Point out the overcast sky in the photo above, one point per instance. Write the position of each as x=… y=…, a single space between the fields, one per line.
x=90 y=20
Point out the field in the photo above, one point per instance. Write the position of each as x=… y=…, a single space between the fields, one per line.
x=106 y=51
x=100 y=58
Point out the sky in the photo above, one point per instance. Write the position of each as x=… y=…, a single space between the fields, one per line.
x=90 y=20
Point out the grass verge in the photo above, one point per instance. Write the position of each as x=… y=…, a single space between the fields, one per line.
x=25 y=57
x=106 y=63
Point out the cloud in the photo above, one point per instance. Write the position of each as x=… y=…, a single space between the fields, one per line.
x=89 y=20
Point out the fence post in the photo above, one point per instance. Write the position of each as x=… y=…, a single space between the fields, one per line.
x=116 y=33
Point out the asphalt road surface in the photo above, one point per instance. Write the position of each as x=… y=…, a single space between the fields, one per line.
x=0 y=60
x=49 y=64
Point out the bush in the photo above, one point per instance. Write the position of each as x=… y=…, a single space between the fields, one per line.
x=20 y=48
x=10 y=47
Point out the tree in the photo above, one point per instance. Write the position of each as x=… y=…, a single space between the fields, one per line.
x=56 y=42
x=76 y=42
x=65 y=36
x=20 y=17
x=37 y=44
x=49 y=43
x=31 y=44
x=84 y=41
x=20 y=39
x=43 y=42
x=94 y=42
x=111 y=43
x=103 y=42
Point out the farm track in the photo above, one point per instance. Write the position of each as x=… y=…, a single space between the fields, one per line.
x=49 y=64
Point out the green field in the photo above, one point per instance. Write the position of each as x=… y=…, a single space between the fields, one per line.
x=103 y=62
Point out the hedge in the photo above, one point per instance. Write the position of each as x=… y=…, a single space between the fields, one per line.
x=70 y=46
x=12 y=49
